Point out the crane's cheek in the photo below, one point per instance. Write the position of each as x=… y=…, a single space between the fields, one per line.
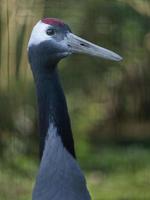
x=63 y=54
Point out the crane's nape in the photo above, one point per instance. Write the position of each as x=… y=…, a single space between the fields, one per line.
x=59 y=37
x=59 y=176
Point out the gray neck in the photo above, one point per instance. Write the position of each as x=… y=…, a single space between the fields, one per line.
x=52 y=106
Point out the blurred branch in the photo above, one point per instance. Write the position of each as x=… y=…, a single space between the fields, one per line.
x=8 y=43
x=142 y=7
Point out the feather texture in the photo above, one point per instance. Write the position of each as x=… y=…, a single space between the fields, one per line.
x=59 y=176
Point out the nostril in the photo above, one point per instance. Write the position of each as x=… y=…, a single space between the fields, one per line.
x=84 y=45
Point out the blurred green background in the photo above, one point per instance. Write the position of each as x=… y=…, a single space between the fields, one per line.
x=109 y=102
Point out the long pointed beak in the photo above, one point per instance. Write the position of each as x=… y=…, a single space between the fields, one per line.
x=79 y=45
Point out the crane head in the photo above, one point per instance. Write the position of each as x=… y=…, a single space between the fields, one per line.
x=53 y=39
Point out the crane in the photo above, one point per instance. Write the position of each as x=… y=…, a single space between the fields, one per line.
x=59 y=176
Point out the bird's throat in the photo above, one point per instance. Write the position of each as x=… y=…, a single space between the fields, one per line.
x=53 y=109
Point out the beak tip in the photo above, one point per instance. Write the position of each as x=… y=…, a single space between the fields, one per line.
x=120 y=58
x=117 y=58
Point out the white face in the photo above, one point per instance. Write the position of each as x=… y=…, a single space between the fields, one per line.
x=38 y=34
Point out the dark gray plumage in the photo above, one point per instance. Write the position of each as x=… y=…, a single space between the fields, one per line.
x=59 y=176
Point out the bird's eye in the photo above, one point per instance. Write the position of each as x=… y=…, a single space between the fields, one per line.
x=50 y=31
